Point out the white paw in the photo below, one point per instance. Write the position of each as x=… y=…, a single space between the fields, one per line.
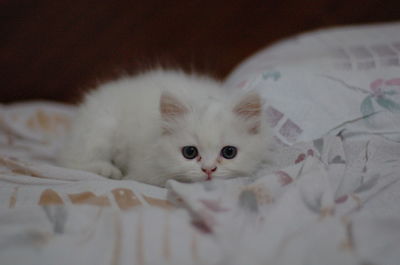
x=104 y=169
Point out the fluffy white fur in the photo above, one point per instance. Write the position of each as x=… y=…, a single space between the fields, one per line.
x=136 y=127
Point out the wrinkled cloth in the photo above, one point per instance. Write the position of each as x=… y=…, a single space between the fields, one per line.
x=334 y=200
x=338 y=203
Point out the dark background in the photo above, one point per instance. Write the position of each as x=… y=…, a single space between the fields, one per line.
x=54 y=49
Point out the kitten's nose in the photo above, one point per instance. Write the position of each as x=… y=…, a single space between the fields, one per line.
x=209 y=171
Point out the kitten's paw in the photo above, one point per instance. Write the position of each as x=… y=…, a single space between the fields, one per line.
x=104 y=169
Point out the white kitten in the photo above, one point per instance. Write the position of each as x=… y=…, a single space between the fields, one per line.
x=168 y=125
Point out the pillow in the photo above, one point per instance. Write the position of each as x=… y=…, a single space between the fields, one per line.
x=325 y=80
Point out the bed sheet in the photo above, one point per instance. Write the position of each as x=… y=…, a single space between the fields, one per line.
x=333 y=200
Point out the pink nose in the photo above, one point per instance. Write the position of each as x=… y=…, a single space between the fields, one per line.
x=209 y=171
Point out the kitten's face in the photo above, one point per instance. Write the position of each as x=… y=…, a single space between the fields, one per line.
x=214 y=140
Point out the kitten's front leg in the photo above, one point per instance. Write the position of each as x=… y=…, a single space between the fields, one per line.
x=90 y=147
x=92 y=156
x=104 y=169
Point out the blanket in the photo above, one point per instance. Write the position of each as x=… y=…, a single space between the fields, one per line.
x=333 y=200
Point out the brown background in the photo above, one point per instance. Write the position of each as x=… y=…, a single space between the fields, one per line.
x=54 y=49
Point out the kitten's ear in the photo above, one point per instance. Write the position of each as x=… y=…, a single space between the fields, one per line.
x=249 y=108
x=171 y=107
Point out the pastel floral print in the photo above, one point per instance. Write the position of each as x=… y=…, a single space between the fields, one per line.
x=274 y=75
x=385 y=93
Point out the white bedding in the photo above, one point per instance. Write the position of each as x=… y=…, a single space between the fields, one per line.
x=333 y=199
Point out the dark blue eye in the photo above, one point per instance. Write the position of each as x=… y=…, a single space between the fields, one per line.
x=229 y=152
x=189 y=152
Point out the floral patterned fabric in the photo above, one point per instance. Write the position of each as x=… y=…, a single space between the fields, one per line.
x=338 y=202
x=317 y=82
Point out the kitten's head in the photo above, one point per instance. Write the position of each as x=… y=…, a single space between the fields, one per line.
x=210 y=138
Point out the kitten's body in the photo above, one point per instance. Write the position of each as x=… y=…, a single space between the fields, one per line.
x=137 y=127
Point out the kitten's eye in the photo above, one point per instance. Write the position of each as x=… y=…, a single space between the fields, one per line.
x=229 y=152
x=190 y=152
